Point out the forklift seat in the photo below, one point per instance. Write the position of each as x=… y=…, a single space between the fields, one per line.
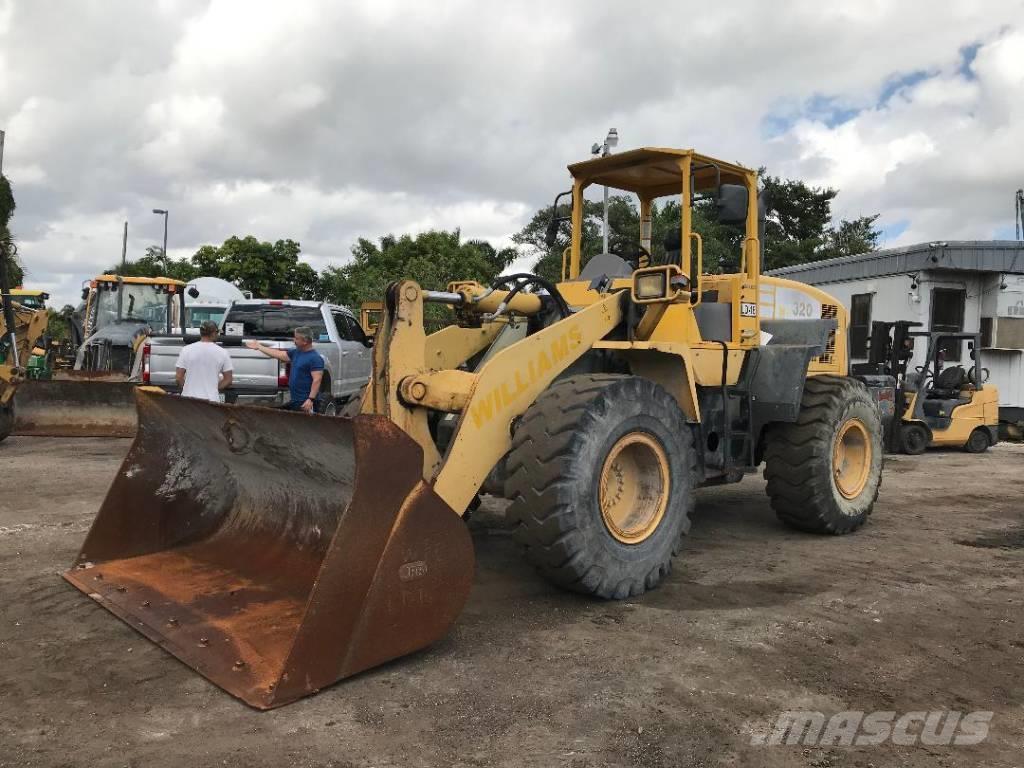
x=948 y=383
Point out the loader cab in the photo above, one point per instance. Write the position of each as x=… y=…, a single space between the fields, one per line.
x=719 y=308
x=30 y=298
x=112 y=300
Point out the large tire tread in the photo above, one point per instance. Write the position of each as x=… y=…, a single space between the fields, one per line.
x=801 y=490
x=540 y=485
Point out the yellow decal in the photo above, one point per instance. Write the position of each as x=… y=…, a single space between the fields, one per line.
x=539 y=370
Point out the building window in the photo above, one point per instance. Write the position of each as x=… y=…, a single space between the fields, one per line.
x=986 y=331
x=860 y=325
x=948 y=315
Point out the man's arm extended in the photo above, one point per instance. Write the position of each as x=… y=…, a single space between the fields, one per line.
x=314 y=390
x=278 y=354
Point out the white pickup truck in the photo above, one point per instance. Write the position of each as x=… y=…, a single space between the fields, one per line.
x=262 y=380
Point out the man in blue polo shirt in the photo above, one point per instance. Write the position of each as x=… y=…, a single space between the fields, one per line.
x=307 y=369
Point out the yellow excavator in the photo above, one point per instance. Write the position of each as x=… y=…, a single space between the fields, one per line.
x=277 y=553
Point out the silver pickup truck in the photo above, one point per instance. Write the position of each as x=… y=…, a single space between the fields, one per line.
x=262 y=380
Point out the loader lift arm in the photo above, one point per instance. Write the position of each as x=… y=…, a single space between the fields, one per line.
x=488 y=401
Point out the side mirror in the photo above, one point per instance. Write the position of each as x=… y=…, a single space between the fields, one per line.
x=193 y=292
x=85 y=294
x=552 y=232
x=732 y=204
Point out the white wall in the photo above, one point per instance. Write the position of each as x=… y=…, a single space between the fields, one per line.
x=893 y=298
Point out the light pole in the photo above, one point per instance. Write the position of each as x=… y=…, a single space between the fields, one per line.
x=160 y=212
x=610 y=142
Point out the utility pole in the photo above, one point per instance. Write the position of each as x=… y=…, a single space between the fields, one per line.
x=162 y=212
x=124 y=247
x=610 y=142
x=1018 y=219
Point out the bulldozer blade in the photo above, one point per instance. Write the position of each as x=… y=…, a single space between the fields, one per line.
x=78 y=407
x=275 y=553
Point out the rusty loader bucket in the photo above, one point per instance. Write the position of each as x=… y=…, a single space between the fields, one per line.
x=81 y=405
x=275 y=553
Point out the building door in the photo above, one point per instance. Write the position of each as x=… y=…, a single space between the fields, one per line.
x=860 y=325
x=947 y=314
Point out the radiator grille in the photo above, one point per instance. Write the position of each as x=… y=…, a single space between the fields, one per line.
x=829 y=312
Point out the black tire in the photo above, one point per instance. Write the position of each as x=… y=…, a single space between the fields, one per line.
x=354 y=405
x=6 y=421
x=978 y=442
x=914 y=439
x=326 y=405
x=554 y=468
x=799 y=458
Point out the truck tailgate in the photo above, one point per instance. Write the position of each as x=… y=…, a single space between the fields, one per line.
x=254 y=372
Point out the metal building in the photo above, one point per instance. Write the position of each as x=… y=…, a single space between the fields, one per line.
x=966 y=285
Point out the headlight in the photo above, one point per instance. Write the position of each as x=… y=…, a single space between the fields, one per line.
x=650 y=286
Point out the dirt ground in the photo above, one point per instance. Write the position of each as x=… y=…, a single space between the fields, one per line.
x=920 y=610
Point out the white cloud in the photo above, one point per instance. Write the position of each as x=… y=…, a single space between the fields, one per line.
x=325 y=122
x=942 y=154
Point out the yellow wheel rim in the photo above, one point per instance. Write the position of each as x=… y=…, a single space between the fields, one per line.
x=634 y=487
x=851 y=458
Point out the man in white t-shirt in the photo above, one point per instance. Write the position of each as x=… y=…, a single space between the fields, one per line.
x=204 y=369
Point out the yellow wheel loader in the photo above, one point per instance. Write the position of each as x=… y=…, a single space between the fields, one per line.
x=21 y=326
x=97 y=398
x=277 y=553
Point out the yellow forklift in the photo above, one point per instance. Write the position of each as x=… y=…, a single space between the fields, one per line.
x=934 y=404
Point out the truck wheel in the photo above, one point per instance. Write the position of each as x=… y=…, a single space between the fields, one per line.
x=601 y=477
x=326 y=406
x=6 y=420
x=914 y=439
x=824 y=470
x=978 y=442
x=354 y=405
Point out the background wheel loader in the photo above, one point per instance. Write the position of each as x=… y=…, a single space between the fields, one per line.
x=277 y=553
x=935 y=404
x=97 y=399
x=21 y=326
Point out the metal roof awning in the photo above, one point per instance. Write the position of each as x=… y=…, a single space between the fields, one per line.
x=995 y=256
x=654 y=171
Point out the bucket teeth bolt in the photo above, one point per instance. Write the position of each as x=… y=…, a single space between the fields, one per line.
x=172 y=622
x=203 y=642
x=238 y=665
x=145 y=603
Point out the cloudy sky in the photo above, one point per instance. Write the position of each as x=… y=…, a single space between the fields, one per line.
x=327 y=121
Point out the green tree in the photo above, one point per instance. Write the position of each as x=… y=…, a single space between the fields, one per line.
x=852 y=237
x=152 y=264
x=433 y=259
x=8 y=248
x=267 y=269
x=58 y=322
x=797 y=225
